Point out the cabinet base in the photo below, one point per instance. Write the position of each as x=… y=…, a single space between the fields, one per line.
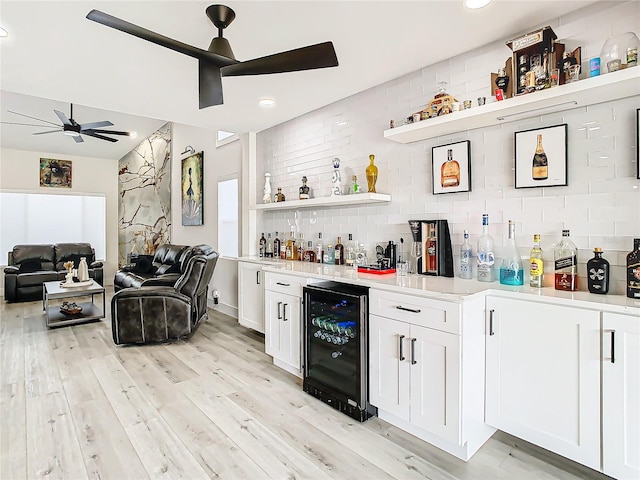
x=338 y=403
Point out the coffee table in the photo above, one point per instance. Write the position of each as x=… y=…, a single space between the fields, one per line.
x=90 y=311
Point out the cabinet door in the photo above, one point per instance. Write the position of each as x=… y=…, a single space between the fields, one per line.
x=621 y=395
x=273 y=324
x=389 y=366
x=251 y=296
x=290 y=337
x=543 y=376
x=435 y=382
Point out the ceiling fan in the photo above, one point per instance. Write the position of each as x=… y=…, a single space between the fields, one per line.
x=218 y=61
x=74 y=129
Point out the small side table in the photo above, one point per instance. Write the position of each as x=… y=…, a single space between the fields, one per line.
x=90 y=311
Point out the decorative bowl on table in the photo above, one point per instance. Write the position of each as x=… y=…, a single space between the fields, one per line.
x=70 y=308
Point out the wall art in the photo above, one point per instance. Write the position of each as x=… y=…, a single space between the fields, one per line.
x=55 y=173
x=192 y=189
x=541 y=157
x=638 y=143
x=451 y=167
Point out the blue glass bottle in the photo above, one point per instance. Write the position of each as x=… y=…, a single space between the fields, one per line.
x=512 y=270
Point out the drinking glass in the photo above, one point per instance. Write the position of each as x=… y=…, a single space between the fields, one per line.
x=416 y=253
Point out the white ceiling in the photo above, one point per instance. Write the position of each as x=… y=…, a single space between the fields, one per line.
x=54 y=52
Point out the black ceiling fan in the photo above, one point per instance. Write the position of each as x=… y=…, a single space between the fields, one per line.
x=74 y=129
x=218 y=61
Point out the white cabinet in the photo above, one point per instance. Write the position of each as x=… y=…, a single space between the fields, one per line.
x=543 y=375
x=283 y=320
x=251 y=296
x=621 y=395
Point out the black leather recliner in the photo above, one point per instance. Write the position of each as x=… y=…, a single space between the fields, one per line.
x=168 y=264
x=152 y=314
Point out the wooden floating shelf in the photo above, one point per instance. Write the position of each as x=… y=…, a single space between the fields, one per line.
x=590 y=91
x=340 y=200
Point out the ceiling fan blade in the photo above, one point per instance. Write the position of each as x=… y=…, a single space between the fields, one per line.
x=63 y=118
x=28 y=124
x=33 y=118
x=321 y=55
x=78 y=138
x=210 y=85
x=110 y=132
x=49 y=131
x=89 y=126
x=158 y=39
x=101 y=137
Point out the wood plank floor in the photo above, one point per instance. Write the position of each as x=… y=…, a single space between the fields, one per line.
x=74 y=406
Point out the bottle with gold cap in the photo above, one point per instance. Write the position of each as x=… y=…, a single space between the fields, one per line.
x=536 y=264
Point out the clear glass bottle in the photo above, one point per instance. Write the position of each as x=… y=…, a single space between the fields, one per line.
x=565 y=255
x=329 y=255
x=485 y=254
x=512 y=269
x=598 y=273
x=310 y=254
x=290 y=246
x=339 y=252
x=355 y=187
x=276 y=246
x=283 y=247
x=319 y=249
x=350 y=251
x=269 y=247
x=466 y=254
x=300 y=247
x=536 y=264
x=633 y=270
x=262 y=243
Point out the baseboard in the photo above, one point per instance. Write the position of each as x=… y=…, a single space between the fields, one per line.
x=223 y=308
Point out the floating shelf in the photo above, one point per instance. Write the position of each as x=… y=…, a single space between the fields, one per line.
x=340 y=200
x=603 y=88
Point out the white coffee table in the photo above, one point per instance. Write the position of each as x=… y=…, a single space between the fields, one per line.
x=90 y=311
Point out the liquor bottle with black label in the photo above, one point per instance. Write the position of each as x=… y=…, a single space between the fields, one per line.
x=262 y=243
x=269 y=247
x=319 y=249
x=450 y=172
x=276 y=246
x=540 y=169
x=598 y=273
x=633 y=270
x=566 y=264
x=303 y=191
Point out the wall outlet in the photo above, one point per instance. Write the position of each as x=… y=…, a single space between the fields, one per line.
x=216 y=297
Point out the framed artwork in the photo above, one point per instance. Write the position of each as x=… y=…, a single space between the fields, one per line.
x=193 y=189
x=451 y=168
x=541 y=157
x=55 y=173
x=638 y=143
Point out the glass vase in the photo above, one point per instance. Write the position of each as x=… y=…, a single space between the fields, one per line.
x=372 y=175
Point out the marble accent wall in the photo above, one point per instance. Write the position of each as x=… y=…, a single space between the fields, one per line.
x=144 y=188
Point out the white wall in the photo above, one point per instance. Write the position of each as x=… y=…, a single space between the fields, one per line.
x=599 y=205
x=218 y=162
x=20 y=170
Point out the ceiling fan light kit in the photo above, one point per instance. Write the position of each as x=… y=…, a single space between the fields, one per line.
x=219 y=61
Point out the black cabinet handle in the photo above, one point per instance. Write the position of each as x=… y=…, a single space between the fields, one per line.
x=279 y=314
x=413 y=351
x=258 y=277
x=283 y=284
x=284 y=309
x=613 y=346
x=400 y=307
x=402 y=357
x=491 y=332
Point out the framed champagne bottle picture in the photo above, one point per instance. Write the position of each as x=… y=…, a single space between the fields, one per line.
x=451 y=167
x=541 y=157
x=638 y=143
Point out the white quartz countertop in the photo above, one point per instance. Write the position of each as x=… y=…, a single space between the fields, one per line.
x=443 y=288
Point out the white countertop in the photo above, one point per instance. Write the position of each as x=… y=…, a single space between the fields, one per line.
x=443 y=288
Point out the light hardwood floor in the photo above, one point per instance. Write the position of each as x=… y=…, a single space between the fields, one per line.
x=74 y=406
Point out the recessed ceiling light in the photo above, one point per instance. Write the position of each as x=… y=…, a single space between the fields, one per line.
x=3 y=32
x=133 y=134
x=266 y=102
x=475 y=4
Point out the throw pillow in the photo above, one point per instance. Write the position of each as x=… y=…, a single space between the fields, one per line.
x=30 y=266
x=175 y=268
x=143 y=265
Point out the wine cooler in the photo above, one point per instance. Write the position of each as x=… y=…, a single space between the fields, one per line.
x=336 y=348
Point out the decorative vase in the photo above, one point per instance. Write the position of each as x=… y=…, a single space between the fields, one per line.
x=266 y=198
x=336 y=179
x=83 y=270
x=372 y=174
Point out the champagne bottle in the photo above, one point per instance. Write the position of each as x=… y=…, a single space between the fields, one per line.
x=540 y=169
x=536 y=264
x=512 y=271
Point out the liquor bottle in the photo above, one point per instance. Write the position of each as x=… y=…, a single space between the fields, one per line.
x=633 y=270
x=485 y=255
x=450 y=171
x=329 y=255
x=355 y=187
x=466 y=254
x=289 y=246
x=279 y=195
x=540 y=169
x=566 y=263
x=283 y=247
x=276 y=246
x=319 y=249
x=598 y=273
x=502 y=80
x=300 y=248
x=269 y=247
x=432 y=249
x=512 y=270
x=303 y=191
x=339 y=252
x=309 y=254
x=536 y=264
x=262 y=246
x=350 y=252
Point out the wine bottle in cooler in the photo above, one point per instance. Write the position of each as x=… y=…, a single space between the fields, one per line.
x=466 y=256
x=565 y=256
x=485 y=253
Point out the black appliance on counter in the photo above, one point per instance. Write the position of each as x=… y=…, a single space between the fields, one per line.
x=437 y=253
x=336 y=347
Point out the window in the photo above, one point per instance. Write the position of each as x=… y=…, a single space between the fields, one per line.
x=228 y=216
x=225 y=137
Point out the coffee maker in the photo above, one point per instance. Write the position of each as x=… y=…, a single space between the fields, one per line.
x=435 y=240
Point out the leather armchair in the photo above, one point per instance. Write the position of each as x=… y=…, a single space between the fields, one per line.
x=160 y=313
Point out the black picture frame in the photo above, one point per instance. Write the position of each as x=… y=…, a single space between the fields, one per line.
x=638 y=143
x=551 y=170
x=461 y=154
